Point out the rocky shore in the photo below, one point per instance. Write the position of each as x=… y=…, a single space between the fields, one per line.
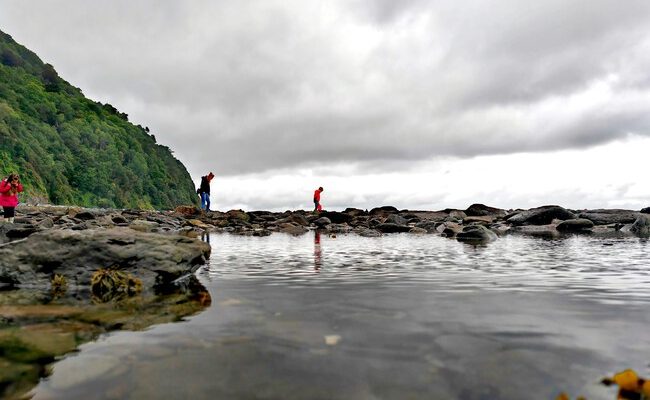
x=160 y=247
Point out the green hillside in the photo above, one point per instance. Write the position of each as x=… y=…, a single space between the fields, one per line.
x=71 y=150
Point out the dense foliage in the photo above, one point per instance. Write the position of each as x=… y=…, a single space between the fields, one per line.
x=71 y=150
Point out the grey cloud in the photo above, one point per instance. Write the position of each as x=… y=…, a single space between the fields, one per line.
x=245 y=87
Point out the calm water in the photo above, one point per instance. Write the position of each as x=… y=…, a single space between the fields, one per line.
x=396 y=317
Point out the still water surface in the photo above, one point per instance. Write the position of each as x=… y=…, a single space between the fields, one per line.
x=395 y=317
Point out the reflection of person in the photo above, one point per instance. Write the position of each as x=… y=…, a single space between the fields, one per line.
x=9 y=188
x=317 y=206
x=317 y=251
x=204 y=191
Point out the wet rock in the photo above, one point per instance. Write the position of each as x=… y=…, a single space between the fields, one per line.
x=484 y=220
x=645 y=210
x=607 y=217
x=579 y=225
x=336 y=217
x=450 y=229
x=641 y=226
x=541 y=216
x=322 y=222
x=292 y=229
x=298 y=219
x=429 y=226
x=392 y=228
x=17 y=231
x=546 y=231
x=476 y=233
x=418 y=230
x=396 y=219
x=479 y=210
x=153 y=258
x=84 y=215
x=369 y=233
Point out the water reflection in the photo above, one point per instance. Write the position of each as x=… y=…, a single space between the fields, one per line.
x=394 y=317
x=318 y=261
x=38 y=327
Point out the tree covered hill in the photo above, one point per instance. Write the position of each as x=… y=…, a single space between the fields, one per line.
x=71 y=150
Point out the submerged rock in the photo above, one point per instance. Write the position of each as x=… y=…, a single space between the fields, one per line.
x=476 y=233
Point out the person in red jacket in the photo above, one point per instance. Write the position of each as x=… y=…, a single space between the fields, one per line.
x=317 y=206
x=9 y=188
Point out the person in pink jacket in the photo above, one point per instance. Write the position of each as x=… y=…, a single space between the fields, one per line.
x=9 y=188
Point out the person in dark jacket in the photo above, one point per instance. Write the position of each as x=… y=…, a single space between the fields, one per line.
x=204 y=191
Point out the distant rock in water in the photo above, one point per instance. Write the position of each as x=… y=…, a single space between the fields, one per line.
x=541 y=216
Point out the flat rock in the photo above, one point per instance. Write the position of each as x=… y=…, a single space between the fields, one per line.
x=606 y=217
x=153 y=258
x=392 y=228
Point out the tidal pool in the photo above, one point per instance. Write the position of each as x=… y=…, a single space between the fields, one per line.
x=396 y=317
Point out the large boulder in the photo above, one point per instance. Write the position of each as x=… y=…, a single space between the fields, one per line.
x=480 y=210
x=476 y=233
x=645 y=210
x=383 y=210
x=607 y=217
x=76 y=255
x=541 y=216
x=396 y=219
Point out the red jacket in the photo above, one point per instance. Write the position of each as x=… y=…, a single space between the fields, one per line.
x=317 y=195
x=7 y=199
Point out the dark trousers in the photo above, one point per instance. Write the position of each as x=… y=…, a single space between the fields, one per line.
x=9 y=212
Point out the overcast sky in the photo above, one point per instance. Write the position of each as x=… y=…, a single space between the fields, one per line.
x=412 y=103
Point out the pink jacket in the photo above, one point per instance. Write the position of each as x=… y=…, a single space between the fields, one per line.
x=6 y=199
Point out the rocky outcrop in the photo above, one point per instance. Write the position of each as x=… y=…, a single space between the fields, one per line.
x=153 y=258
x=480 y=210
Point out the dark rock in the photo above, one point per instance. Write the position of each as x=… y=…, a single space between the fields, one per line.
x=450 y=229
x=237 y=215
x=396 y=219
x=337 y=217
x=430 y=226
x=118 y=219
x=541 y=216
x=292 y=229
x=153 y=258
x=479 y=210
x=322 y=222
x=84 y=215
x=613 y=216
x=645 y=210
x=355 y=212
x=579 y=225
x=17 y=231
x=476 y=233
x=383 y=210
x=392 y=228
